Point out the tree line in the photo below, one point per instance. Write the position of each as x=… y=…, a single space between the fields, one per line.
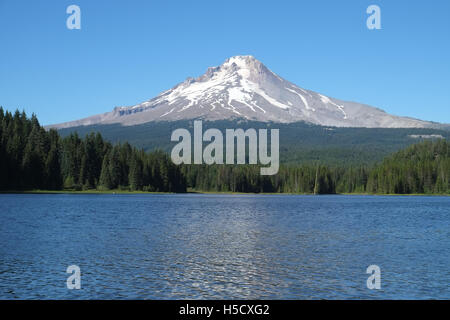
x=34 y=158
x=420 y=168
x=423 y=168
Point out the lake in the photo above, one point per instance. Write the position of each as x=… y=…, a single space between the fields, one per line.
x=193 y=246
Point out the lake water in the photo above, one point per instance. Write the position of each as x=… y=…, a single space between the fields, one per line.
x=224 y=246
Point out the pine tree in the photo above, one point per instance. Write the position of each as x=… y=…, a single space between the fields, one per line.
x=136 y=173
x=105 y=177
x=53 y=170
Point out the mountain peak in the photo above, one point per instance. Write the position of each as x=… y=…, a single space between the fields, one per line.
x=234 y=69
x=242 y=61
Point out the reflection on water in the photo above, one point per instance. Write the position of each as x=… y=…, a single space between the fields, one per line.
x=223 y=246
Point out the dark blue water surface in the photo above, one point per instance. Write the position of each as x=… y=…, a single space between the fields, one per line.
x=224 y=246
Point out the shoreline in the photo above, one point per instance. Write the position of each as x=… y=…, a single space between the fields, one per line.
x=126 y=192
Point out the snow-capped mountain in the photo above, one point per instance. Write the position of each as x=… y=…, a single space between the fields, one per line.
x=243 y=88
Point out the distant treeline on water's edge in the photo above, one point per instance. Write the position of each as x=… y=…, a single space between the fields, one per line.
x=32 y=158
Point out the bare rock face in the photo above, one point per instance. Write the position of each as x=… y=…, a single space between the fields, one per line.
x=243 y=88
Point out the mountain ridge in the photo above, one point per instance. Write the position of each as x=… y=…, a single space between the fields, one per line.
x=244 y=88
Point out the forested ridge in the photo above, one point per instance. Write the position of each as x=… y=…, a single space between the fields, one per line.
x=32 y=158
x=420 y=168
x=300 y=142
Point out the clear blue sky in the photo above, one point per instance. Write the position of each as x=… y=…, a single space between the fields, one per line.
x=129 y=51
